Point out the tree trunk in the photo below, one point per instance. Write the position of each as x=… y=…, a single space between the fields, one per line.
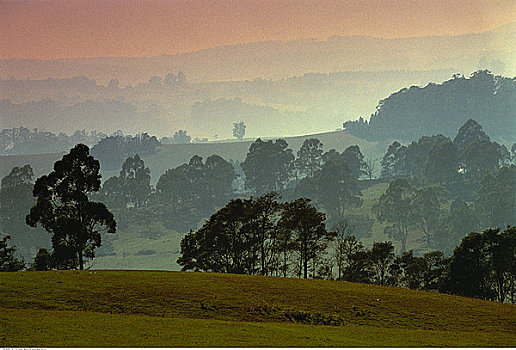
x=81 y=264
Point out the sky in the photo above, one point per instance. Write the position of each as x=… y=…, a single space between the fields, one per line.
x=47 y=29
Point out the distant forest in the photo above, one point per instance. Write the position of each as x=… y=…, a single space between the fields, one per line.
x=167 y=103
x=405 y=115
x=443 y=108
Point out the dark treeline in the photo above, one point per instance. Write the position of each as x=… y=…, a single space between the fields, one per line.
x=110 y=147
x=111 y=150
x=440 y=189
x=436 y=188
x=442 y=108
x=266 y=237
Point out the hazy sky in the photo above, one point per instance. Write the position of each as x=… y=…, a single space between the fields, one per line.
x=92 y=28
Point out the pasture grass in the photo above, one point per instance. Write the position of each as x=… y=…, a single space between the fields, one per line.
x=157 y=308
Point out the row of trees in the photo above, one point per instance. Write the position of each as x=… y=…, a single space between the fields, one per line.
x=257 y=236
x=264 y=236
x=405 y=208
x=112 y=150
x=195 y=189
x=24 y=141
x=438 y=159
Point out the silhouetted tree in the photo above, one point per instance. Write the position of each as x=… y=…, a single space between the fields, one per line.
x=481 y=156
x=482 y=266
x=225 y=243
x=417 y=154
x=419 y=272
x=239 y=130
x=442 y=162
x=309 y=157
x=266 y=212
x=370 y=166
x=495 y=200
x=135 y=180
x=381 y=257
x=469 y=132
x=181 y=137
x=395 y=207
x=219 y=175
x=112 y=193
x=461 y=220
x=426 y=205
x=335 y=187
x=351 y=257
x=196 y=185
x=268 y=166
x=393 y=162
x=308 y=229
x=354 y=158
x=8 y=262
x=42 y=261
x=64 y=210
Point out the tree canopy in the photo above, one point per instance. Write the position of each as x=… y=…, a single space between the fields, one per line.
x=268 y=166
x=8 y=261
x=64 y=210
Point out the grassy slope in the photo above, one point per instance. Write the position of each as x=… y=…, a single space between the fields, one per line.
x=41 y=163
x=148 y=308
x=129 y=241
x=171 y=156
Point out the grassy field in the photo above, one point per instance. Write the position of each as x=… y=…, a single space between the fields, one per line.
x=156 y=308
x=130 y=242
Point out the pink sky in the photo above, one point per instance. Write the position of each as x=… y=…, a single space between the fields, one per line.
x=46 y=29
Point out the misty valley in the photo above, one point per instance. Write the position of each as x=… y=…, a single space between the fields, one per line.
x=354 y=191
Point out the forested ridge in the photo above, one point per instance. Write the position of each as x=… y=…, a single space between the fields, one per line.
x=442 y=108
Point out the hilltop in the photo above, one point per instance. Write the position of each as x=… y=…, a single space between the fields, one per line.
x=152 y=308
x=281 y=59
x=170 y=156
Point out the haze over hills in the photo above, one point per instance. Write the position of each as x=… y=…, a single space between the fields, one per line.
x=323 y=173
x=280 y=59
x=311 y=103
x=278 y=88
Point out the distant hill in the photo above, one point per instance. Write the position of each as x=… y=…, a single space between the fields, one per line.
x=281 y=59
x=442 y=108
x=173 y=155
x=41 y=164
x=309 y=103
x=170 y=309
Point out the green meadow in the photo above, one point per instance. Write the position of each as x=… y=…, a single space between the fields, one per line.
x=167 y=309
